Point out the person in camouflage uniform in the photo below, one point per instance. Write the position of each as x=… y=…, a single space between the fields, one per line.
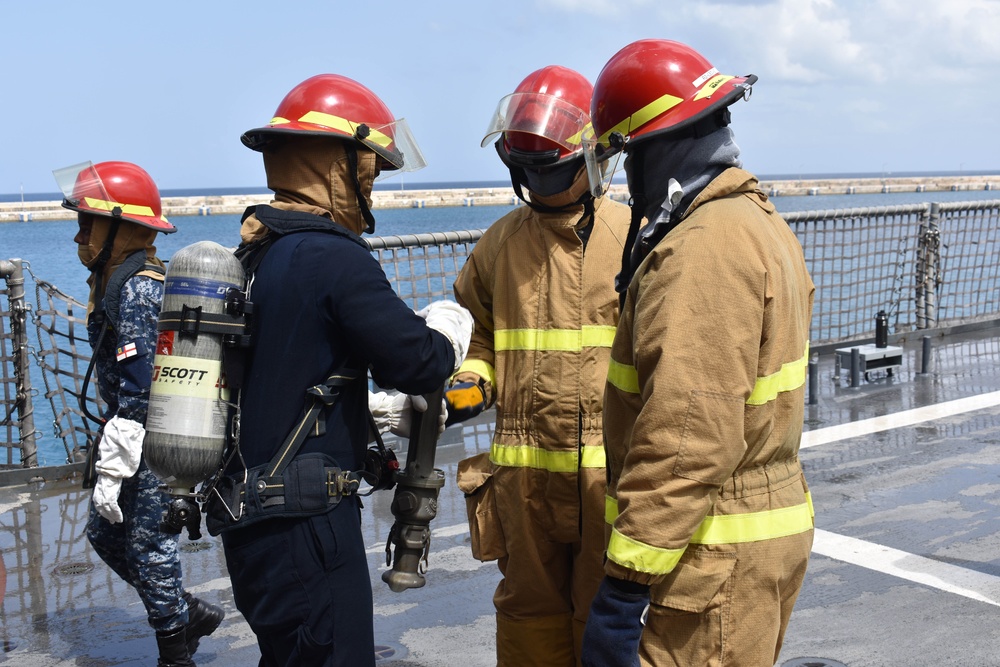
x=119 y=215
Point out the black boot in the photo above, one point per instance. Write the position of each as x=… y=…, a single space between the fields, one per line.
x=173 y=649
x=203 y=619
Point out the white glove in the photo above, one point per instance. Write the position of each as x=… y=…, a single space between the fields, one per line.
x=394 y=412
x=119 y=454
x=454 y=322
x=105 y=498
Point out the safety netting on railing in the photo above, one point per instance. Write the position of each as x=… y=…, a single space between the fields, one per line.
x=423 y=267
x=862 y=261
x=63 y=356
x=969 y=266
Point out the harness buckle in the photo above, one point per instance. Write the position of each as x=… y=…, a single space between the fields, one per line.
x=341 y=482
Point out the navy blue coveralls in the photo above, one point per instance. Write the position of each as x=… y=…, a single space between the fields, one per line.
x=320 y=299
x=138 y=549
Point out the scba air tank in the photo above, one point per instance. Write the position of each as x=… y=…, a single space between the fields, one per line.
x=189 y=400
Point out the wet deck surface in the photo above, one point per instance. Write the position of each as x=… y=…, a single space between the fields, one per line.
x=905 y=477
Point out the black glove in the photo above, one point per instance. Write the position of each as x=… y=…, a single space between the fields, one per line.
x=614 y=626
x=465 y=400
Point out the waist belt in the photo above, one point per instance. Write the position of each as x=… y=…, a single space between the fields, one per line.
x=338 y=483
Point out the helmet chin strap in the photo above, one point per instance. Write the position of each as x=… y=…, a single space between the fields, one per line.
x=105 y=254
x=366 y=213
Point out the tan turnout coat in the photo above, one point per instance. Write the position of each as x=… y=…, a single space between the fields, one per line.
x=703 y=417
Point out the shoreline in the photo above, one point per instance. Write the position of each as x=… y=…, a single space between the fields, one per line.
x=499 y=196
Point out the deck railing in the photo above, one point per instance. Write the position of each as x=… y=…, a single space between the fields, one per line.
x=927 y=266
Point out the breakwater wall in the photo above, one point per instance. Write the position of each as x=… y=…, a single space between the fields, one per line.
x=429 y=198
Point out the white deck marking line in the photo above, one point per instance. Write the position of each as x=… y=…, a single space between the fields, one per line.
x=896 y=563
x=918 y=569
x=823 y=436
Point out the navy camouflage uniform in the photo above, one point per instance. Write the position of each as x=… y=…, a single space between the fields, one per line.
x=138 y=549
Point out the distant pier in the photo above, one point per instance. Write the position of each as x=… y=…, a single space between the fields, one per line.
x=499 y=196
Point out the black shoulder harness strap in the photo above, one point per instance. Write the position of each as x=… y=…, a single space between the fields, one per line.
x=132 y=265
x=320 y=397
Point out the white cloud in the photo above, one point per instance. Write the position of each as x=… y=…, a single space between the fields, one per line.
x=812 y=41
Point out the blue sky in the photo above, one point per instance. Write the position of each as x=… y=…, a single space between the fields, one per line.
x=845 y=86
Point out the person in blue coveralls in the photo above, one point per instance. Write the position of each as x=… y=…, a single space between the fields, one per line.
x=324 y=316
x=119 y=215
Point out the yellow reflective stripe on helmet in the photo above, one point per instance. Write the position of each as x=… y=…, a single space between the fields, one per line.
x=126 y=209
x=526 y=456
x=338 y=123
x=642 y=116
x=623 y=376
x=554 y=340
x=481 y=368
x=791 y=376
x=642 y=557
x=713 y=85
x=714 y=529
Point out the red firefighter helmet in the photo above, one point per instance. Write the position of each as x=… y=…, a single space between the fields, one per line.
x=543 y=121
x=331 y=105
x=657 y=86
x=115 y=190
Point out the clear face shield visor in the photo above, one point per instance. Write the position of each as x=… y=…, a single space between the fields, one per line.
x=546 y=116
x=395 y=144
x=601 y=160
x=82 y=186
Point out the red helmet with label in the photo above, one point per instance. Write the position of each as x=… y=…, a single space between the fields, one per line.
x=657 y=86
x=115 y=190
x=543 y=121
x=331 y=105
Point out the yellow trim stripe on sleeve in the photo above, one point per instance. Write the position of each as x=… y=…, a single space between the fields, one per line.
x=481 y=368
x=127 y=209
x=526 y=456
x=554 y=340
x=623 y=376
x=642 y=116
x=642 y=557
x=791 y=376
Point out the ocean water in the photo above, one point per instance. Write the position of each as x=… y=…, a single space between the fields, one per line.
x=48 y=248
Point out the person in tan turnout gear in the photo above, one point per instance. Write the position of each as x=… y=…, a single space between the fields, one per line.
x=540 y=286
x=710 y=521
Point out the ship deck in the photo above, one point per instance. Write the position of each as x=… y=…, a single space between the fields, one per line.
x=905 y=478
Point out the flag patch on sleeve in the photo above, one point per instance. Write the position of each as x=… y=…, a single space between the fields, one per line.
x=126 y=351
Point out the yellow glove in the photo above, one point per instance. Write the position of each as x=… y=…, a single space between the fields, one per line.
x=465 y=400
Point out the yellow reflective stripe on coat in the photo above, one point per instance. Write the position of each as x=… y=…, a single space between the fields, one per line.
x=714 y=529
x=554 y=340
x=127 y=209
x=526 y=456
x=481 y=368
x=623 y=376
x=765 y=389
x=791 y=376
